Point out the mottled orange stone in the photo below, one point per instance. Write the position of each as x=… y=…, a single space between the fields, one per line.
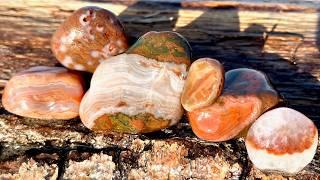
x=203 y=85
x=89 y=36
x=45 y=93
x=247 y=94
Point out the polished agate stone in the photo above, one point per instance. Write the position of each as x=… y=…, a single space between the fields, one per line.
x=247 y=94
x=132 y=93
x=203 y=85
x=164 y=46
x=45 y=93
x=282 y=140
x=89 y=36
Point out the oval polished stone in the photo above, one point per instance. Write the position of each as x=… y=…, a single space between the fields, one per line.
x=165 y=46
x=282 y=140
x=203 y=85
x=247 y=94
x=133 y=94
x=89 y=36
x=44 y=93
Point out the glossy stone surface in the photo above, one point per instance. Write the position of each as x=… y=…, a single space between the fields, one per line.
x=133 y=94
x=203 y=85
x=89 y=36
x=282 y=140
x=247 y=94
x=165 y=46
x=45 y=93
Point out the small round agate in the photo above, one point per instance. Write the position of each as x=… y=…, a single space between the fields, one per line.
x=134 y=93
x=282 y=140
x=89 y=36
x=203 y=85
x=246 y=95
x=44 y=93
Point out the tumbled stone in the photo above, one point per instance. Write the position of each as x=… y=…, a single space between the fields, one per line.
x=164 y=46
x=45 y=93
x=203 y=85
x=247 y=94
x=282 y=140
x=132 y=93
x=89 y=36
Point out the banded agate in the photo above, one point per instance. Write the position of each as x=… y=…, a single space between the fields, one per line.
x=282 y=140
x=44 y=93
x=139 y=91
x=89 y=36
x=133 y=94
x=204 y=84
x=246 y=95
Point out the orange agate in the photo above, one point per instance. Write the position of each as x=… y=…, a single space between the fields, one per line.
x=203 y=85
x=44 y=93
x=247 y=94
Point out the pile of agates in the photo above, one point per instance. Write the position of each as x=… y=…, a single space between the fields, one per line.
x=145 y=88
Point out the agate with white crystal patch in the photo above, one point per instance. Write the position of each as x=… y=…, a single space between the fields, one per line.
x=282 y=140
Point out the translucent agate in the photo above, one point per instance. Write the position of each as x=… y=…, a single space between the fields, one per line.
x=131 y=93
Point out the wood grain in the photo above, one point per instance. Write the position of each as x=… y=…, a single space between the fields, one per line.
x=282 y=42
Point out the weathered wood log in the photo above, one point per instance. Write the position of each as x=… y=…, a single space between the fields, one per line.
x=282 y=42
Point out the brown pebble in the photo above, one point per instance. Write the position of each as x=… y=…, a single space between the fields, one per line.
x=89 y=36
